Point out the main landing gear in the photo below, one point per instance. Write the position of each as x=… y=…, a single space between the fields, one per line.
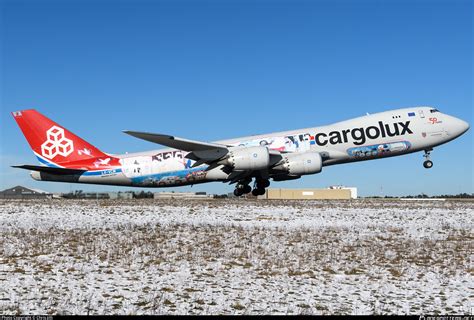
x=427 y=163
x=243 y=187
x=259 y=187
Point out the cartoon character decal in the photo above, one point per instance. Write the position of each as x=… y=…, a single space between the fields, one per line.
x=294 y=143
x=174 y=178
x=378 y=150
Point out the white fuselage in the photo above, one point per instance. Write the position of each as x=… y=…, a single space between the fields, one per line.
x=379 y=135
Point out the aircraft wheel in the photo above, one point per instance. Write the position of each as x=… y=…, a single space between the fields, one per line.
x=238 y=192
x=258 y=192
x=262 y=184
x=247 y=189
x=428 y=164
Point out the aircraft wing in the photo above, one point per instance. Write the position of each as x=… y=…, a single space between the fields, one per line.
x=200 y=151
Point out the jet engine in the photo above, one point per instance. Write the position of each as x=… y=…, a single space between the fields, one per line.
x=300 y=163
x=248 y=158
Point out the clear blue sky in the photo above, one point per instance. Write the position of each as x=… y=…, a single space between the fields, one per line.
x=210 y=70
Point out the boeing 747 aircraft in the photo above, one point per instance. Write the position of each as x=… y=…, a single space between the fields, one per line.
x=280 y=156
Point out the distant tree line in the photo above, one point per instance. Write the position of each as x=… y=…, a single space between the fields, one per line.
x=143 y=195
x=423 y=196
x=79 y=194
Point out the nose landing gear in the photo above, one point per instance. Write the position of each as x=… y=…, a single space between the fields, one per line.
x=427 y=163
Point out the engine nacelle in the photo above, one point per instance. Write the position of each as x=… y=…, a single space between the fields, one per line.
x=301 y=163
x=248 y=158
x=217 y=173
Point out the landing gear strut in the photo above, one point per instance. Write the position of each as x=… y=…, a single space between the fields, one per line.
x=427 y=163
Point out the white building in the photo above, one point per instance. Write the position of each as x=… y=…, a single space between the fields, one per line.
x=352 y=189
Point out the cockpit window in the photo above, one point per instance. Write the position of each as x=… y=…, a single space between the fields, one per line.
x=434 y=110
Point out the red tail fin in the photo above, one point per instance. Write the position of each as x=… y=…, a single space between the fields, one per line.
x=52 y=142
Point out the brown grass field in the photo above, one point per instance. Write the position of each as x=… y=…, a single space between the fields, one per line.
x=236 y=257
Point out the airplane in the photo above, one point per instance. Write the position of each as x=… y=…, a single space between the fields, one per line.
x=64 y=157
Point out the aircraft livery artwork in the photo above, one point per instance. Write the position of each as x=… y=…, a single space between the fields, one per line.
x=65 y=157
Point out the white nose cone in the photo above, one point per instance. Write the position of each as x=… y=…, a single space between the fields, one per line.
x=460 y=126
x=464 y=126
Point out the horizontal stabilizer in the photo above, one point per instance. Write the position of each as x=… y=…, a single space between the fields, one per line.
x=177 y=143
x=60 y=171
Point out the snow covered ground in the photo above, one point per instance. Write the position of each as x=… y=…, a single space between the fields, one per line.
x=236 y=257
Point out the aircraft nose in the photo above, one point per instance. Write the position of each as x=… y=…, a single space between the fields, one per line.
x=461 y=126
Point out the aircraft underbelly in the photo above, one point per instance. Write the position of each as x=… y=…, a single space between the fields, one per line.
x=171 y=178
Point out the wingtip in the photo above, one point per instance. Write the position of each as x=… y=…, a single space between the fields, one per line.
x=140 y=134
x=20 y=166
